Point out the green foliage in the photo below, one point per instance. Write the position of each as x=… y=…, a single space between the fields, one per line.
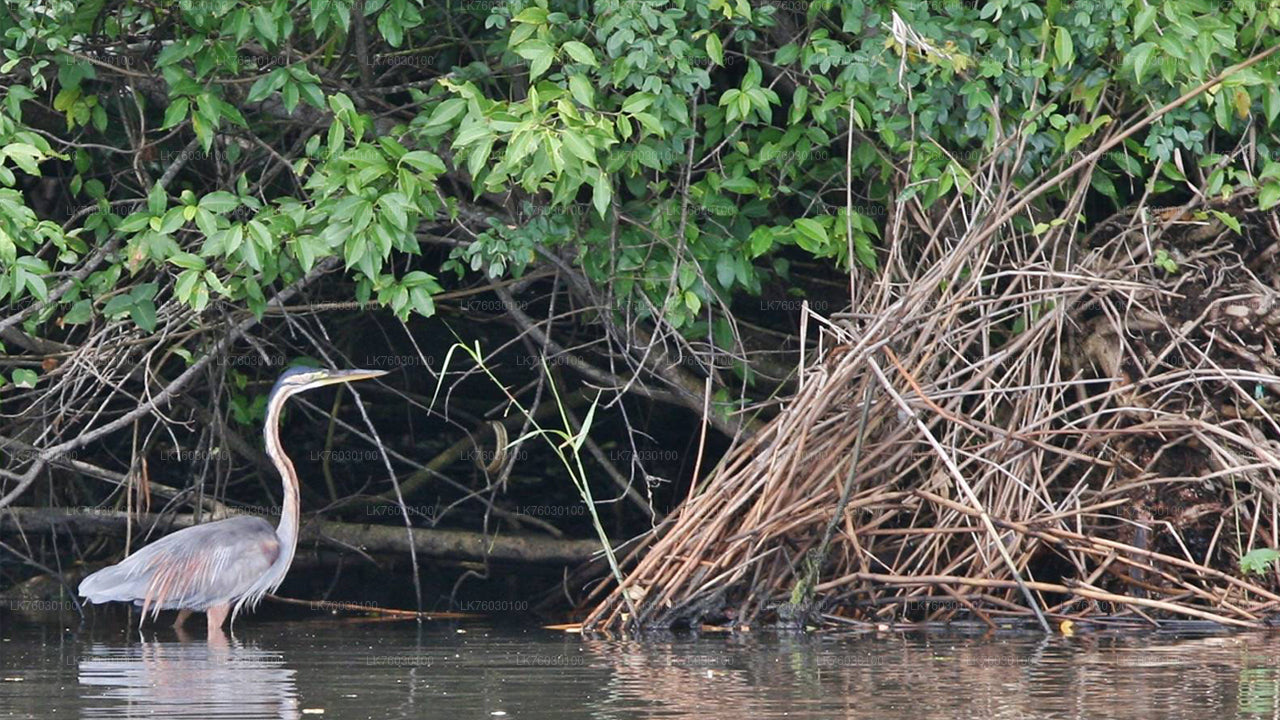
x=676 y=148
x=24 y=378
x=632 y=90
x=1258 y=562
x=1165 y=262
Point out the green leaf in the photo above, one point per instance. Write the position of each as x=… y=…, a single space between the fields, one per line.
x=687 y=276
x=865 y=251
x=520 y=33
x=578 y=440
x=229 y=112
x=576 y=145
x=651 y=123
x=624 y=126
x=187 y=261
x=157 y=200
x=219 y=202
x=1076 y=135
x=393 y=206
x=1145 y=17
x=1255 y=562
x=1268 y=196
x=233 y=238
x=638 y=102
x=692 y=301
x=267 y=84
x=259 y=233
x=539 y=54
x=1063 y=49
x=1227 y=220
x=446 y=111
x=390 y=28
x=248 y=250
x=424 y=161
x=602 y=194
x=812 y=229
x=581 y=90
x=176 y=113
x=206 y=222
x=36 y=284
x=145 y=291
x=265 y=23
x=173 y=53
x=714 y=49
x=80 y=313
x=1141 y=55
x=134 y=222
x=67 y=97
x=740 y=185
x=580 y=53
x=1101 y=182
x=470 y=133
x=185 y=283
x=290 y=96
x=725 y=270
x=786 y=54
x=24 y=155
x=8 y=250
x=540 y=65
x=422 y=303
x=24 y=378
x=215 y=283
x=479 y=156
x=172 y=220
x=532 y=15
x=143 y=313
x=117 y=305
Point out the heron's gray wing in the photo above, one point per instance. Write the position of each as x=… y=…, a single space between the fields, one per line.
x=195 y=568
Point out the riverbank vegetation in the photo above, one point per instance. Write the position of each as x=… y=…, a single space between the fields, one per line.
x=871 y=309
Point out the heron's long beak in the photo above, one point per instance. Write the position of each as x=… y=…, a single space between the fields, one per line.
x=337 y=376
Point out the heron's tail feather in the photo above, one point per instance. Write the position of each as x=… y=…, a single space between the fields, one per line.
x=113 y=584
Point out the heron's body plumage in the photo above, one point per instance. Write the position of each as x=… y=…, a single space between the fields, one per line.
x=224 y=562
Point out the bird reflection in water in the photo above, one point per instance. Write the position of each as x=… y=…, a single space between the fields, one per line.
x=174 y=680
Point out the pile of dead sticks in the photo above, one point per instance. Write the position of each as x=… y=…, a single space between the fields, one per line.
x=1046 y=426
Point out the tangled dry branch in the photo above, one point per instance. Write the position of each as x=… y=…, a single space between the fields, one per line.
x=1059 y=427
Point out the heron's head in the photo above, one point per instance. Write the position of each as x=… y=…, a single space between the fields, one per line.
x=295 y=380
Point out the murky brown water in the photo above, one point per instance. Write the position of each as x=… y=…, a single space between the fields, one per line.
x=363 y=669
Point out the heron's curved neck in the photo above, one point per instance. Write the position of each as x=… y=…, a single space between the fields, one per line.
x=287 y=529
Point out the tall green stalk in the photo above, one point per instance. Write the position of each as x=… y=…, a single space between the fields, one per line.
x=566 y=444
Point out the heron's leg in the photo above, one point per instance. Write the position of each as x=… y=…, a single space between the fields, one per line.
x=217 y=615
x=183 y=614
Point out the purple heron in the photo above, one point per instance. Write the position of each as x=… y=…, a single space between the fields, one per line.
x=219 y=567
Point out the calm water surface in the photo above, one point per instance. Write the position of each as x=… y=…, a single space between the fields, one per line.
x=370 y=669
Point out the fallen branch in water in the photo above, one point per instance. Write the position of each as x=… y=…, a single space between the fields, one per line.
x=432 y=543
x=333 y=605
